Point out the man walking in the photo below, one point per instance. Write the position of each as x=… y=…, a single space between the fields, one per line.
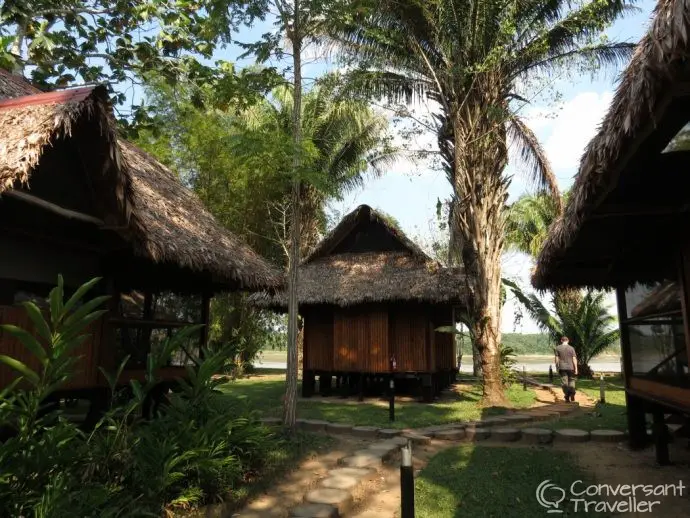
x=566 y=363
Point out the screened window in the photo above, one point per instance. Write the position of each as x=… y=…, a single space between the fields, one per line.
x=655 y=332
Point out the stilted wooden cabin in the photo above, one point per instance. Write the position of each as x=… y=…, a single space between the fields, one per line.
x=371 y=301
x=627 y=225
x=77 y=200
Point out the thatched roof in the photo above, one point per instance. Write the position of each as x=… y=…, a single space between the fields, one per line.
x=347 y=278
x=165 y=222
x=363 y=214
x=644 y=92
x=662 y=299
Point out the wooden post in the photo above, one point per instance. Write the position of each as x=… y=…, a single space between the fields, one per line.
x=661 y=437
x=406 y=482
x=637 y=425
x=206 y=320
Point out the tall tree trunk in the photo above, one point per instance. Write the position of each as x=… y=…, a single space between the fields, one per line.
x=480 y=195
x=17 y=45
x=290 y=403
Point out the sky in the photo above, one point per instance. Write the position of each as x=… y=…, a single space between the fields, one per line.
x=410 y=190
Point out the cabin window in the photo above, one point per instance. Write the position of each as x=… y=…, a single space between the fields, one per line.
x=146 y=320
x=655 y=332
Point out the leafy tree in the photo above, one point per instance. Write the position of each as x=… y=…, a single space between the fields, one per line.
x=342 y=140
x=528 y=221
x=589 y=325
x=475 y=59
x=527 y=226
x=62 y=42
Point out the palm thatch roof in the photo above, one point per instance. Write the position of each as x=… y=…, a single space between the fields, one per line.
x=646 y=88
x=341 y=270
x=664 y=298
x=163 y=221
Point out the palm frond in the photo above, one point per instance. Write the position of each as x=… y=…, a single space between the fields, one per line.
x=533 y=155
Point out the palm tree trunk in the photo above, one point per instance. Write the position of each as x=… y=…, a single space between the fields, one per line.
x=480 y=194
x=290 y=403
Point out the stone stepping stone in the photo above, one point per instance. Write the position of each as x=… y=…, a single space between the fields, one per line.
x=388 y=433
x=417 y=438
x=271 y=421
x=314 y=511
x=359 y=473
x=385 y=450
x=607 y=435
x=492 y=421
x=338 y=498
x=314 y=425
x=505 y=434
x=572 y=435
x=517 y=418
x=341 y=482
x=537 y=435
x=365 y=431
x=399 y=441
x=339 y=428
x=477 y=434
x=450 y=435
x=544 y=416
x=362 y=459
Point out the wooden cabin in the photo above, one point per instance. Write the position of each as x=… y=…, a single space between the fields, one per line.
x=372 y=302
x=77 y=200
x=627 y=225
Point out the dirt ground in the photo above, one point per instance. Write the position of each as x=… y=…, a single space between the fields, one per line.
x=615 y=464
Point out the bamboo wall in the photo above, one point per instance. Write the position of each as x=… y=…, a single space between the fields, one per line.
x=86 y=369
x=363 y=338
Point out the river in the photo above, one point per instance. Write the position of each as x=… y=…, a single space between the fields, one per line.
x=531 y=363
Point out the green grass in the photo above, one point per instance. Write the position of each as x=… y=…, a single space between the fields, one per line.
x=485 y=481
x=609 y=415
x=264 y=393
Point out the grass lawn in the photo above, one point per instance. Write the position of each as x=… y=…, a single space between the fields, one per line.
x=607 y=415
x=264 y=393
x=486 y=481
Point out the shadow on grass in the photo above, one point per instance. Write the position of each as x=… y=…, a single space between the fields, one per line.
x=494 y=481
x=264 y=393
x=490 y=480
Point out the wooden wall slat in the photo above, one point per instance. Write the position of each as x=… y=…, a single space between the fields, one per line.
x=86 y=368
x=408 y=340
x=318 y=339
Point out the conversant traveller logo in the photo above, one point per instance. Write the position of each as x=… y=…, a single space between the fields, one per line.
x=605 y=498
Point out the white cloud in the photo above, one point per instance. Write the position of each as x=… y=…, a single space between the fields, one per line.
x=574 y=127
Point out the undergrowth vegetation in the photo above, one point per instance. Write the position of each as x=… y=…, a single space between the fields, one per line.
x=201 y=445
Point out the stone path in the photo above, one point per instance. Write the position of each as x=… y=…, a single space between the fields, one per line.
x=344 y=490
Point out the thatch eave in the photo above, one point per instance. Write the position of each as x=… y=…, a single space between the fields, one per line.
x=644 y=92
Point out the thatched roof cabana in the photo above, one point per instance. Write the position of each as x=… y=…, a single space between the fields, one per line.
x=146 y=204
x=618 y=217
x=343 y=270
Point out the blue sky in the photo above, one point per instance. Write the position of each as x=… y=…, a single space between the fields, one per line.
x=409 y=191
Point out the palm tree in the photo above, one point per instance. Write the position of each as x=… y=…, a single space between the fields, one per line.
x=527 y=225
x=589 y=325
x=528 y=220
x=473 y=58
x=343 y=140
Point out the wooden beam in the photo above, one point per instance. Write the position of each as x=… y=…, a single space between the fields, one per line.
x=52 y=207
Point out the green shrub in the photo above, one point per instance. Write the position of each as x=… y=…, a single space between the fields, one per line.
x=201 y=445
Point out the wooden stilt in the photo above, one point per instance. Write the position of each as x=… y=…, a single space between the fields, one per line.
x=637 y=425
x=661 y=438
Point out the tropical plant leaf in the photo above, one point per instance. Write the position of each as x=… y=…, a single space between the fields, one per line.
x=21 y=368
x=28 y=340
